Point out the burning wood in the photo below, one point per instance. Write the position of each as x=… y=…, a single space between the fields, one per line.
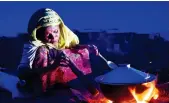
x=163 y=94
x=160 y=93
x=144 y=93
x=90 y=99
x=148 y=91
x=99 y=99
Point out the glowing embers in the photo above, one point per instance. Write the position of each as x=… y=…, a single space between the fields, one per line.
x=145 y=92
x=88 y=98
x=100 y=98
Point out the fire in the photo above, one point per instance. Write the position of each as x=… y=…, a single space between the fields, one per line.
x=102 y=100
x=99 y=99
x=150 y=91
x=109 y=101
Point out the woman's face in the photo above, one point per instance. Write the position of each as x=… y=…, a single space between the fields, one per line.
x=51 y=34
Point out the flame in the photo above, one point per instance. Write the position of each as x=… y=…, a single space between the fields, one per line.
x=144 y=97
x=104 y=100
x=99 y=99
x=109 y=101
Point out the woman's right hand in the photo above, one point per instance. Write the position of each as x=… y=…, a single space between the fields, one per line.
x=58 y=58
x=64 y=60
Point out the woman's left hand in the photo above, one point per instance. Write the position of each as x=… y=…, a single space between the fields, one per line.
x=93 y=49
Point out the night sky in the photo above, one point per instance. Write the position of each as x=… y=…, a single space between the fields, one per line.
x=135 y=16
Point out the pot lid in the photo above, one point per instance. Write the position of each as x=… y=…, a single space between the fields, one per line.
x=125 y=75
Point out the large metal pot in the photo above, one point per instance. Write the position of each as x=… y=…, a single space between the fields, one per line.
x=114 y=84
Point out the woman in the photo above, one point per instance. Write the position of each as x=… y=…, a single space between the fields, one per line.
x=47 y=59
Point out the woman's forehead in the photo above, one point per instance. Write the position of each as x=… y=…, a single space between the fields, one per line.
x=56 y=27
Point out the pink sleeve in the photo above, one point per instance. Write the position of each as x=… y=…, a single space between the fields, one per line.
x=41 y=58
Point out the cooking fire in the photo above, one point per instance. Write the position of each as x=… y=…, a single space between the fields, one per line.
x=148 y=91
x=142 y=94
x=128 y=85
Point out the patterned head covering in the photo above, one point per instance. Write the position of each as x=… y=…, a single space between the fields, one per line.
x=47 y=17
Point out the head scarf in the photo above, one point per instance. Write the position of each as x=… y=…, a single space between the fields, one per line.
x=48 y=17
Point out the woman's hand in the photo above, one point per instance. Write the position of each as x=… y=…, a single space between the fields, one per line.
x=64 y=60
x=91 y=48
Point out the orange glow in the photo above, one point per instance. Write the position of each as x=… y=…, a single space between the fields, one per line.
x=99 y=99
x=109 y=101
x=146 y=95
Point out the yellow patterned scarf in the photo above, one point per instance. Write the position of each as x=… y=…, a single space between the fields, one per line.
x=48 y=17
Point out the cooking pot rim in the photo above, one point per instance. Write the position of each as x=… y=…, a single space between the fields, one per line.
x=152 y=78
